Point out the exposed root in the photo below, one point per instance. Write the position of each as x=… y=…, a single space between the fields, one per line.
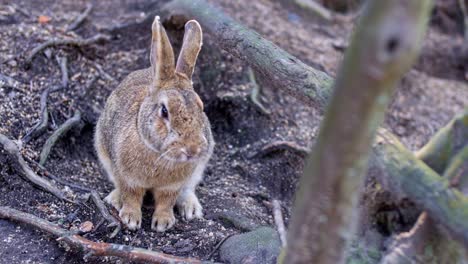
x=114 y=222
x=255 y=93
x=62 y=61
x=12 y=148
x=62 y=42
x=79 y=19
x=63 y=129
x=39 y=128
x=281 y=145
x=279 y=222
x=9 y=82
x=91 y=248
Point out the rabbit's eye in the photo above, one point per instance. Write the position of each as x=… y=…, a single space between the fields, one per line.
x=164 y=113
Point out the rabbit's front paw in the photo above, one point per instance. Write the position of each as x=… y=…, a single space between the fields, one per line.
x=130 y=217
x=189 y=207
x=113 y=199
x=162 y=221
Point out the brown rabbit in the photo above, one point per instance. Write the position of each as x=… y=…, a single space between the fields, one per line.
x=154 y=136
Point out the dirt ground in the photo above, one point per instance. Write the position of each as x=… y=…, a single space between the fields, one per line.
x=238 y=180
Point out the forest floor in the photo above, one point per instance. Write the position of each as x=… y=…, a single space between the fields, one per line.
x=240 y=180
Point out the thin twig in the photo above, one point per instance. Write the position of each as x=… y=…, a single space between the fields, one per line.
x=79 y=19
x=281 y=145
x=103 y=73
x=101 y=206
x=279 y=222
x=62 y=61
x=61 y=130
x=316 y=8
x=90 y=247
x=62 y=42
x=255 y=93
x=12 y=148
x=218 y=246
x=9 y=82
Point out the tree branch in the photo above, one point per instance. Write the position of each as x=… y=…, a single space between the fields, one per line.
x=93 y=248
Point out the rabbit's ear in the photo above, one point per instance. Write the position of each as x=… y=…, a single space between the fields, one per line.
x=162 y=56
x=190 y=49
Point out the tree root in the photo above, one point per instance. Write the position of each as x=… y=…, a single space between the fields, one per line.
x=63 y=129
x=12 y=148
x=39 y=128
x=62 y=61
x=285 y=71
x=280 y=145
x=9 y=82
x=92 y=248
x=79 y=19
x=113 y=222
x=404 y=175
x=62 y=42
x=446 y=143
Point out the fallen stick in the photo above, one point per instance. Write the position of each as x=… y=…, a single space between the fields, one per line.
x=101 y=206
x=279 y=222
x=79 y=19
x=61 y=130
x=12 y=148
x=92 y=248
x=62 y=42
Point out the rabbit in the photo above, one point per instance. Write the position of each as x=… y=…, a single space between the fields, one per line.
x=153 y=135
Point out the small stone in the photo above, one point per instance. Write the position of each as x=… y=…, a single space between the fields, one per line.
x=259 y=246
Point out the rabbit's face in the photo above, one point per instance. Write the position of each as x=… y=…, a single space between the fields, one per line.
x=172 y=123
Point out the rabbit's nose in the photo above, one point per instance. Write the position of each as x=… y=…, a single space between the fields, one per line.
x=191 y=151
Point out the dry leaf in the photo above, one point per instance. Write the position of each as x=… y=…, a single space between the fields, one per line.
x=43 y=19
x=86 y=227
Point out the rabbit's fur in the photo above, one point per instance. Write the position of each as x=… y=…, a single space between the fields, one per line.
x=154 y=136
